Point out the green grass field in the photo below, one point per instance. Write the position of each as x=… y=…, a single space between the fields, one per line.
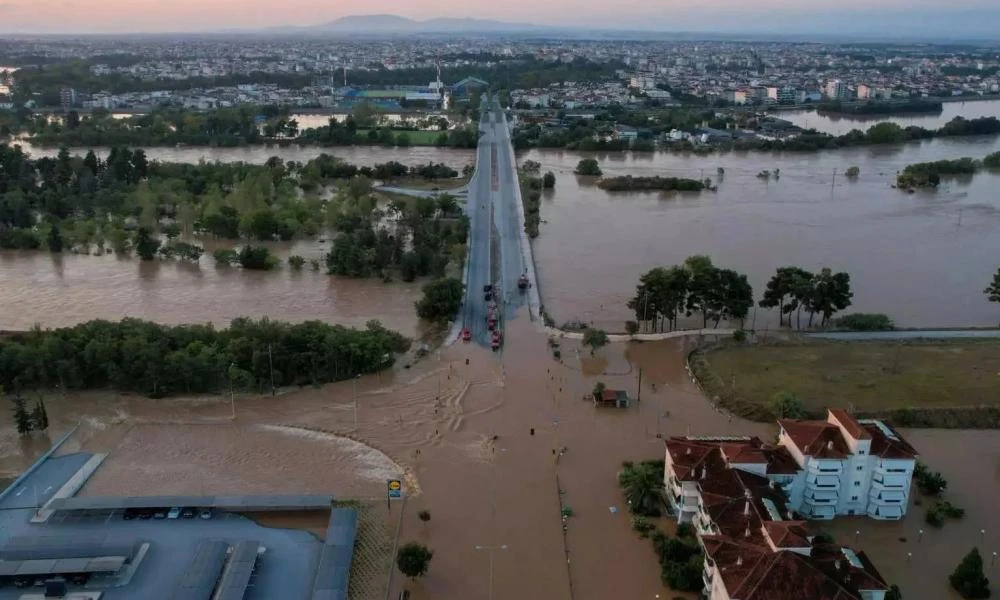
x=868 y=376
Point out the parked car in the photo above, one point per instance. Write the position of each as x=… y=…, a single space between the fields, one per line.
x=129 y=514
x=145 y=515
x=187 y=513
x=160 y=514
x=466 y=334
x=174 y=513
x=205 y=514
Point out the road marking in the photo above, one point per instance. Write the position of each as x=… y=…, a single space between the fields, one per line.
x=19 y=492
x=47 y=490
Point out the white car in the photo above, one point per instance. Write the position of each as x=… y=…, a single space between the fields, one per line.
x=174 y=513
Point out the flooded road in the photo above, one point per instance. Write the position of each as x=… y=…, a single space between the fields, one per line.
x=841 y=124
x=923 y=259
x=477 y=447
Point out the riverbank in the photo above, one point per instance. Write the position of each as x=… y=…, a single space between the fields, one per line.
x=915 y=383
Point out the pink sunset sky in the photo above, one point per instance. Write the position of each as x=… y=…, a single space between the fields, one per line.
x=121 y=16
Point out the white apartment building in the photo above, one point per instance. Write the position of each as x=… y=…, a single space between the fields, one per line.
x=733 y=490
x=847 y=467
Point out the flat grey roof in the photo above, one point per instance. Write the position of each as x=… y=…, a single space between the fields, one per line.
x=236 y=577
x=57 y=566
x=199 y=579
x=61 y=547
x=335 y=558
x=233 y=503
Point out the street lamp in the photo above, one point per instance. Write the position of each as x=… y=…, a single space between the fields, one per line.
x=232 y=394
x=355 y=395
x=492 y=550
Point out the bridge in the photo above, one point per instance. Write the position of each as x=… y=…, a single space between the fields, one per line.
x=499 y=250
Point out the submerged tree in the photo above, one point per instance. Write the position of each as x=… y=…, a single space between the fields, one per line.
x=968 y=578
x=414 y=559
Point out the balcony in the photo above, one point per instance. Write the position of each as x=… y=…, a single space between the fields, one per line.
x=826 y=467
x=822 y=482
x=706 y=577
x=889 y=482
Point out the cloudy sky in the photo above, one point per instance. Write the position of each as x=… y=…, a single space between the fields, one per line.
x=947 y=18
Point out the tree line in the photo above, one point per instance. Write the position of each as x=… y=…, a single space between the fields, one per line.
x=628 y=183
x=929 y=174
x=414 y=237
x=128 y=204
x=594 y=135
x=162 y=360
x=665 y=294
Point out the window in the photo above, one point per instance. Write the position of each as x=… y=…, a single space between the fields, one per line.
x=861 y=451
x=857 y=484
x=861 y=467
x=854 y=498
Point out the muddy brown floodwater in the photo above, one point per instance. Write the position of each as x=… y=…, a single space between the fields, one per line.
x=841 y=124
x=923 y=259
x=64 y=290
x=461 y=436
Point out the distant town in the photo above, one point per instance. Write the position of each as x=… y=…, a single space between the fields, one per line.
x=203 y=74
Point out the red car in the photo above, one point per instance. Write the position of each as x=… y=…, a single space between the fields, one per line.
x=466 y=334
x=497 y=339
x=491 y=323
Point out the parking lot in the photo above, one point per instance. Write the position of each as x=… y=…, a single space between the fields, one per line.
x=285 y=570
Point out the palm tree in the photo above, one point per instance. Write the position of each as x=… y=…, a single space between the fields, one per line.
x=643 y=487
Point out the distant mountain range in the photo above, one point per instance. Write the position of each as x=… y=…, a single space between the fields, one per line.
x=362 y=24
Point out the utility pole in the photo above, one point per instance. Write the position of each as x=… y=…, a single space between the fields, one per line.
x=492 y=550
x=638 y=393
x=354 y=385
x=270 y=364
x=232 y=394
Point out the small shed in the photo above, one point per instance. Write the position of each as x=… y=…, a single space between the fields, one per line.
x=612 y=399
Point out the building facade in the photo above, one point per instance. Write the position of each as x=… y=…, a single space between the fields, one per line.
x=733 y=490
x=848 y=467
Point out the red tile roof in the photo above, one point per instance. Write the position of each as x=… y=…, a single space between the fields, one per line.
x=788 y=534
x=789 y=576
x=818 y=439
x=850 y=423
x=886 y=447
x=690 y=455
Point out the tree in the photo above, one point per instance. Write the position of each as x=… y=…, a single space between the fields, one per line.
x=968 y=578
x=595 y=338
x=441 y=300
x=588 y=166
x=631 y=327
x=786 y=405
x=145 y=244
x=296 y=262
x=549 y=180
x=894 y=593
x=39 y=418
x=55 y=240
x=21 y=417
x=702 y=291
x=993 y=290
x=424 y=515
x=735 y=296
x=643 y=488
x=598 y=391
x=413 y=559
x=830 y=292
x=852 y=172
x=780 y=292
